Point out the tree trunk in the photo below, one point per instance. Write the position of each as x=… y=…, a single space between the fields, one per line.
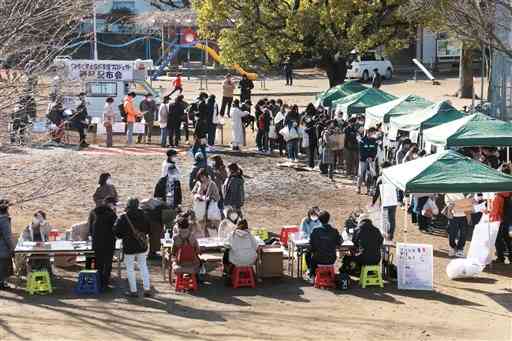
x=335 y=68
x=466 y=72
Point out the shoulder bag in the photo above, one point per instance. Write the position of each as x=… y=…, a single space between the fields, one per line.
x=139 y=236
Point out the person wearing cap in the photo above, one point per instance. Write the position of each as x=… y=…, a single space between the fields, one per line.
x=79 y=120
x=131 y=115
x=324 y=241
x=367 y=241
x=199 y=163
x=172 y=155
x=101 y=229
x=228 y=89
x=132 y=227
x=234 y=192
x=168 y=188
x=149 y=109
x=6 y=245
x=367 y=153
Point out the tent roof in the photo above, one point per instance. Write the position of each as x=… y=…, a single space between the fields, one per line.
x=471 y=131
x=429 y=117
x=400 y=106
x=358 y=102
x=447 y=172
x=339 y=91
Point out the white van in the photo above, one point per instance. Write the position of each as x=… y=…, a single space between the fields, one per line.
x=362 y=66
x=101 y=79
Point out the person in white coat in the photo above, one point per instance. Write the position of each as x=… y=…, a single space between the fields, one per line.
x=238 y=129
x=163 y=114
x=241 y=248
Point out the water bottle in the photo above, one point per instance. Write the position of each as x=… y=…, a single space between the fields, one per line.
x=167 y=235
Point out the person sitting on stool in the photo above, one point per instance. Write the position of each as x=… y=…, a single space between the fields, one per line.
x=368 y=241
x=324 y=240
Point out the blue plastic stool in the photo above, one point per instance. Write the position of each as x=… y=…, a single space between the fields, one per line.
x=88 y=282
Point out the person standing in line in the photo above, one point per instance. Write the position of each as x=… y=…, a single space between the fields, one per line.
x=213 y=112
x=133 y=228
x=177 y=84
x=228 y=89
x=351 y=148
x=163 y=116
x=237 y=127
x=233 y=189
x=6 y=245
x=367 y=153
x=131 y=115
x=148 y=109
x=105 y=189
x=101 y=223
x=288 y=71
x=292 y=144
x=109 y=116
x=246 y=85
x=310 y=123
x=459 y=209
x=220 y=175
x=176 y=115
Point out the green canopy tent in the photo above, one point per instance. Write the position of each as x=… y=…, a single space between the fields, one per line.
x=401 y=106
x=477 y=130
x=357 y=103
x=429 y=117
x=446 y=172
x=339 y=91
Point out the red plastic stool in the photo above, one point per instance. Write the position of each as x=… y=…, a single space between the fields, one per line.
x=186 y=282
x=285 y=233
x=324 y=276
x=243 y=277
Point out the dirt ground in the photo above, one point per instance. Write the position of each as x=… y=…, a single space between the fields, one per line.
x=280 y=309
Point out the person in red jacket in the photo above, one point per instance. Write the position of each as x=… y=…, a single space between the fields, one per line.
x=177 y=85
x=501 y=210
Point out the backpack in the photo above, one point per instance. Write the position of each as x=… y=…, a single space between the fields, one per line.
x=186 y=253
x=122 y=112
x=507 y=210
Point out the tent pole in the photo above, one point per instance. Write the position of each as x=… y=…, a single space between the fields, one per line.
x=508 y=154
x=405 y=217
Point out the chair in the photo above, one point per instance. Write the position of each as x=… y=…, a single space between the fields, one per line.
x=88 y=282
x=38 y=282
x=186 y=282
x=325 y=277
x=243 y=276
x=371 y=275
x=285 y=233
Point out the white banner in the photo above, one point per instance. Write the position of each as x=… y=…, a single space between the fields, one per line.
x=100 y=70
x=138 y=128
x=415 y=266
x=119 y=127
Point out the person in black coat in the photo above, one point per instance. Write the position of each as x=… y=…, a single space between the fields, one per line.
x=246 y=85
x=79 y=120
x=310 y=121
x=368 y=241
x=132 y=227
x=101 y=222
x=168 y=188
x=324 y=241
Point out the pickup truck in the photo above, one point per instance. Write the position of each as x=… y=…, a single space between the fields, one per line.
x=361 y=66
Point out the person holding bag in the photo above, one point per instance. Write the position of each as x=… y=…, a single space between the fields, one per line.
x=133 y=228
x=206 y=198
x=109 y=116
x=6 y=247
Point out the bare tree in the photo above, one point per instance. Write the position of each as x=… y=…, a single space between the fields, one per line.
x=32 y=34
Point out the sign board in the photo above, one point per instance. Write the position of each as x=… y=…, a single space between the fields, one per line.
x=107 y=70
x=448 y=48
x=119 y=127
x=138 y=128
x=415 y=266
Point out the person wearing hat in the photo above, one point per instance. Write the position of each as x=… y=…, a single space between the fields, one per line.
x=233 y=189
x=324 y=241
x=101 y=223
x=199 y=163
x=6 y=246
x=172 y=154
x=79 y=120
x=367 y=241
x=131 y=115
x=132 y=227
x=149 y=109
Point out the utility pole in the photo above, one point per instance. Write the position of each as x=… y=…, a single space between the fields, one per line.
x=94 y=33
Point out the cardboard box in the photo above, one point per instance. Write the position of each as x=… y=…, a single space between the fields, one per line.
x=270 y=262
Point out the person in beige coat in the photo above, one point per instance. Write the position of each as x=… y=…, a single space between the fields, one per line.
x=205 y=190
x=228 y=90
